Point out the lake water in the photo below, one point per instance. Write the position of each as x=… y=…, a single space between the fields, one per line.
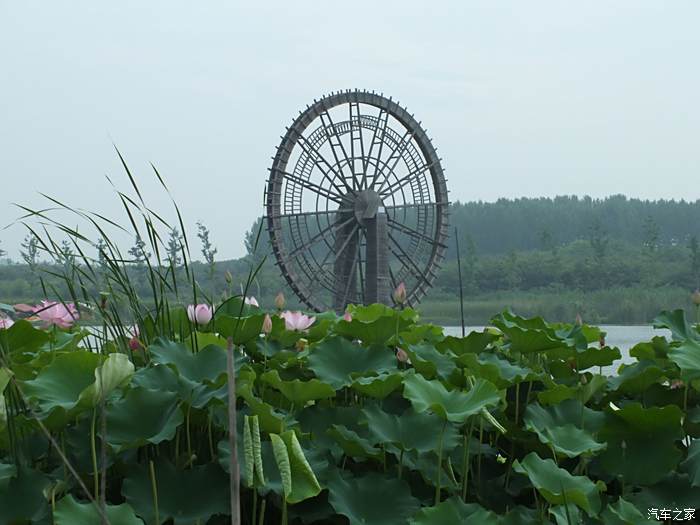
x=623 y=337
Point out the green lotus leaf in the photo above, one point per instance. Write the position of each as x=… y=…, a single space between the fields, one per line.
x=379 y=386
x=337 y=361
x=472 y=343
x=23 y=338
x=297 y=391
x=621 y=513
x=206 y=365
x=240 y=329
x=378 y=331
x=283 y=464
x=271 y=420
x=316 y=420
x=557 y=485
x=657 y=348
x=556 y=394
x=560 y=427
x=410 y=430
x=114 y=372
x=595 y=356
x=417 y=333
x=637 y=377
x=691 y=464
x=566 y=514
x=499 y=371
x=641 y=442
x=453 y=511
x=60 y=384
x=429 y=362
x=7 y=472
x=185 y=496
x=455 y=405
x=5 y=375
x=676 y=322
x=70 y=512
x=529 y=335
x=143 y=416
x=22 y=500
x=372 y=499
x=304 y=482
x=273 y=482
x=674 y=490
x=352 y=443
x=687 y=357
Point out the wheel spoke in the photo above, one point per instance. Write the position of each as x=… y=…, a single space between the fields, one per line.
x=318 y=237
x=395 y=156
x=309 y=213
x=331 y=134
x=382 y=122
x=406 y=257
x=396 y=225
x=353 y=140
x=400 y=183
x=312 y=186
x=319 y=159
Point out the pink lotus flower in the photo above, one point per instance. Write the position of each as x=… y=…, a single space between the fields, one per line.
x=134 y=343
x=347 y=317
x=251 y=301
x=52 y=313
x=400 y=293
x=6 y=323
x=267 y=324
x=200 y=314
x=296 y=320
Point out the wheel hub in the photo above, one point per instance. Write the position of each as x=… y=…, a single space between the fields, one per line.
x=367 y=204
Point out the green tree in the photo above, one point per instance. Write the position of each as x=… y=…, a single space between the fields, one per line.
x=30 y=250
x=598 y=238
x=694 y=247
x=651 y=234
x=175 y=248
x=138 y=252
x=208 y=250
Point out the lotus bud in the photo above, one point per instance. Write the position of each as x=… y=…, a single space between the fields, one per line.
x=134 y=343
x=279 y=301
x=267 y=325
x=400 y=293
x=695 y=297
x=402 y=356
x=228 y=277
x=601 y=340
x=579 y=320
x=301 y=344
x=347 y=317
x=200 y=314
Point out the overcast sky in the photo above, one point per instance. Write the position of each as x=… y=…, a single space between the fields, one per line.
x=521 y=98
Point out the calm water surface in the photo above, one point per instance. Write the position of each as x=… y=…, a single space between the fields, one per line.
x=623 y=337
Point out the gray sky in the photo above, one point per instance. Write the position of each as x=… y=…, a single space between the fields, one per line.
x=521 y=98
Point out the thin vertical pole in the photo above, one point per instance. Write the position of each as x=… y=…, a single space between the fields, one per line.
x=461 y=292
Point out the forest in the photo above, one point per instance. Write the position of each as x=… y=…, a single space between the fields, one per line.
x=614 y=260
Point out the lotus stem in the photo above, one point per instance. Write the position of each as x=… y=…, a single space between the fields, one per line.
x=93 y=453
x=261 y=519
x=154 y=489
x=466 y=460
x=438 y=487
x=234 y=474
